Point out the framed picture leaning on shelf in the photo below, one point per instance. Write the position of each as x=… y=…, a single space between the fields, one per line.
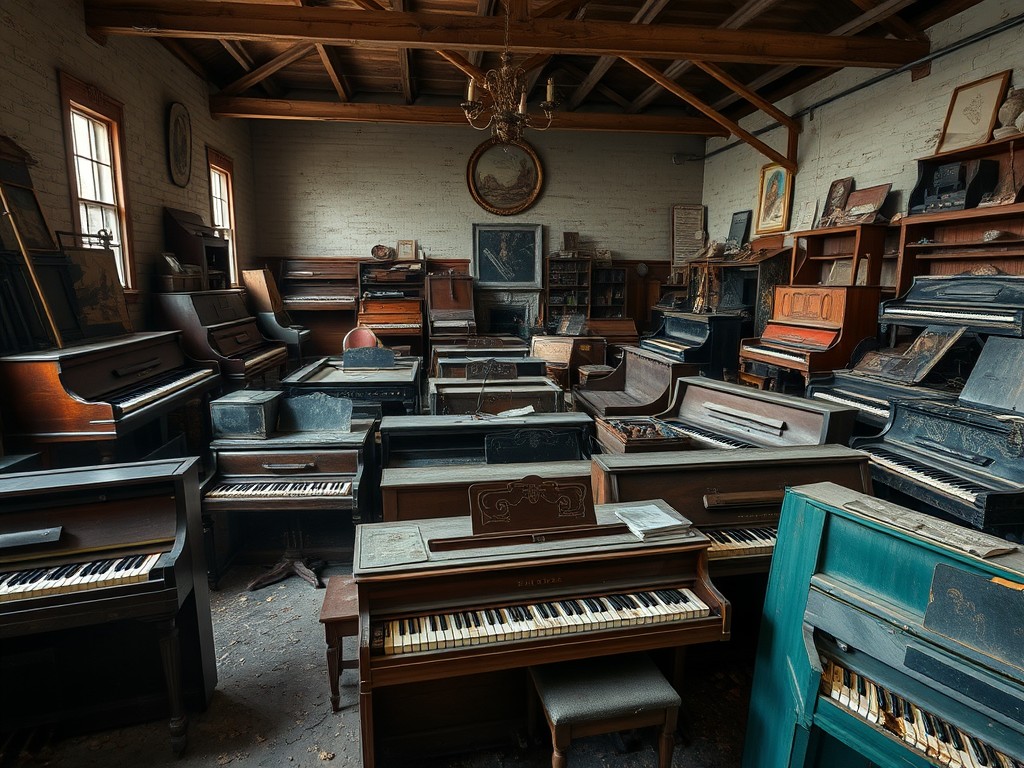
x=774 y=193
x=507 y=255
x=972 y=112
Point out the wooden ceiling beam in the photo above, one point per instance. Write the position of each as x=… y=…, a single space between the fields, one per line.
x=404 y=63
x=742 y=16
x=894 y=24
x=245 y=61
x=332 y=63
x=722 y=120
x=240 y=21
x=648 y=12
x=280 y=109
x=614 y=96
x=264 y=71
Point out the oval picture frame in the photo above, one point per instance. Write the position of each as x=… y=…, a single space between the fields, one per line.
x=179 y=144
x=504 y=179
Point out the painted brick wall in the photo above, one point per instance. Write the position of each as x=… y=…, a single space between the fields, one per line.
x=875 y=134
x=338 y=189
x=37 y=39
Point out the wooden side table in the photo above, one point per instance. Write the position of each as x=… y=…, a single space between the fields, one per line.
x=340 y=616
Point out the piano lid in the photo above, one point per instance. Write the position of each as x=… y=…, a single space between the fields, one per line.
x=915 y=363
x=997 y=381
x=806 y=338
x=956 y=291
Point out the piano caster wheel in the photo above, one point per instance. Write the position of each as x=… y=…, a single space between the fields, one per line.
x=179 y=735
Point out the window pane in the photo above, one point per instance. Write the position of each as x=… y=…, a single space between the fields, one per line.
x=86 y=178
x=80 y=133
x=100 y=149
x=105 y=182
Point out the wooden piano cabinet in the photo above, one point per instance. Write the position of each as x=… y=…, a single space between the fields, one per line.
x=641 y=385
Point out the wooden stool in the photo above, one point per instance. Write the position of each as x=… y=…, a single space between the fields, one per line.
x=340 y=617
x=605 y=695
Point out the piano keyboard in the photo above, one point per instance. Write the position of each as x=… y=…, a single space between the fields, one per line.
x=300 y=299
x=75 y=577
x=946 y=482
x=941 y=741
x=282 y=489
x=852 y=400
x=390 y=326
x=263 y=356
x=720 y=441
x=450 y=323
x=734 y=542
x=158 y=387
x=774 y=353
x=946 y=315
x=524 y=622
x=672 y=345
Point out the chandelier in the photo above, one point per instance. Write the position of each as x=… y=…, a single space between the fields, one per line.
x=505 y=111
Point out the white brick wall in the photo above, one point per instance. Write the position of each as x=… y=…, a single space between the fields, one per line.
x=37 y=39
x=337 y=188
x=874 y=135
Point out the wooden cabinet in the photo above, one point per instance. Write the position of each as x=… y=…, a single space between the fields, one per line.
x=846 y=255
x=608 y=292
x=566 y=286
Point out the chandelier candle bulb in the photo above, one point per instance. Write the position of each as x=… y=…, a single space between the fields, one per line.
x=522 y=103
x=551 y=89
x=471 y=93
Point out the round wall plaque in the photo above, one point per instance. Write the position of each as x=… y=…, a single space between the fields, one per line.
x=179 y=144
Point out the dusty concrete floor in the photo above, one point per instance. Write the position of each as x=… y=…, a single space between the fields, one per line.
x=272 y=707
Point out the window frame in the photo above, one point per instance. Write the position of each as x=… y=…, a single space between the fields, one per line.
x=217 y=160
x=92 y=102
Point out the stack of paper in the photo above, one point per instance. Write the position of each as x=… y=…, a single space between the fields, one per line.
x=649 y=522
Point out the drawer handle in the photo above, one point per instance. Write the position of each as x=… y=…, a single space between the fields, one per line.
x=128 y=370
x=298 y=467
x=240 y=337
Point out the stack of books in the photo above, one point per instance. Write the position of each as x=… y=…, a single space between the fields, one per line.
x=649 y=522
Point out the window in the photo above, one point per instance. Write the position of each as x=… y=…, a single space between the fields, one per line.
x=94 y=137
x=222 y=204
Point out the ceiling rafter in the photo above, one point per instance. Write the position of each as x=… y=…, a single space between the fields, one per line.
x=194 y=19
x=281 y=109
x=894 y=24
x=745 y=14
x=648 y=12
x=404 y=62
x=241 y=56
x=332 y=63
x=262 y=72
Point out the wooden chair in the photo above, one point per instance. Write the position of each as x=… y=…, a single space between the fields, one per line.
x=606 y=695
x=340 y=617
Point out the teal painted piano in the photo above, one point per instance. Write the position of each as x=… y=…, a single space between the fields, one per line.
x=889 y=638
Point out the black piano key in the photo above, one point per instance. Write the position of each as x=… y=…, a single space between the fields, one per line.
x=993 y=758
x=458 y=620
x=897 y=705
x=978 y=750
x=880 y=699
x=475 y=615
x=941 y=733
x=433 y=624
x=444 y=623
x=929 y=726
x=401 y=627
x=861 y=687
x=954 y=737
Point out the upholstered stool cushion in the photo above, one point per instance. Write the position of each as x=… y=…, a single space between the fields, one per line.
x=602 y=689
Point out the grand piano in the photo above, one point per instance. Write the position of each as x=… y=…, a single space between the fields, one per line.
x=709 y=340
x=813 y=329
x=890 y=638
x=962 y=458
x=467 y=684
x=102 y=575
x=734 y=497
x=217 y=326
x=951 y=314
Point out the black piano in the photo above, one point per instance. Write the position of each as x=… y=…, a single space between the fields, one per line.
x=104 y=608
x=963 y=458
x=217 y=326
x=895 y=640
x=710 y=340
x=952 y=314
x=273 y=320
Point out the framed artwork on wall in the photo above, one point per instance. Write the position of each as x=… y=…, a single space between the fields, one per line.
x=972 y=112
x=26 y=218
x=179 y=144
x=406 y=250
x=507 y=255
x=773 y=196
x=504 y=179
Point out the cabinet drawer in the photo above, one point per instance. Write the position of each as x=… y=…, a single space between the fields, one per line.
x=285 y=463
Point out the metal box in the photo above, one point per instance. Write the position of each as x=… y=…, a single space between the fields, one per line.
x=246 y=413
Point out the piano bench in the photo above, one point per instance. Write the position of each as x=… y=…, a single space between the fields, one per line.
x=340 y=617
x=605 y=695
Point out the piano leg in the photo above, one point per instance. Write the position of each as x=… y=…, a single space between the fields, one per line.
x=170 y=654
x=289 y=565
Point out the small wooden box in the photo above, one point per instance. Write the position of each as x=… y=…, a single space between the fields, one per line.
x=246 y=413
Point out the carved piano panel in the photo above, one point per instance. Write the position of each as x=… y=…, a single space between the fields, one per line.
x=895 y=640
x=401 y=576
x=104 y=624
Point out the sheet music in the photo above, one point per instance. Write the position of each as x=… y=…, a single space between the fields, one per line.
x=687 y=232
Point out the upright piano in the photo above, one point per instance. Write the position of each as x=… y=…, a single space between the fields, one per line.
x=813 y=329
x=951 y=314
x=426 y=441
x=374 y=391
x=217 y=326
x=102 y=575
x=450 y=308
x=734 y=497
x=964 y=458
x=710 y=341
x=565 y=355
x=321 y=293
x=394 y=321
x=889 y=638
x=467 y=682
x=271 y=317
x=456 y=396
x=718 y=414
